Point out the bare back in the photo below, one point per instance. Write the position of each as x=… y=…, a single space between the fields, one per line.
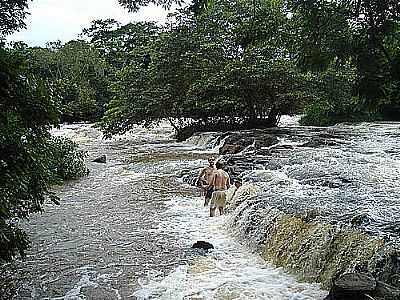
x=221 y=180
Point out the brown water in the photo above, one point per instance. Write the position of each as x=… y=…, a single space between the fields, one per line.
x=99 y=241
x=125 y=231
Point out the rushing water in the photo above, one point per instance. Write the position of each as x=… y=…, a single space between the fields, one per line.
x=125 y=231
x=354 y=179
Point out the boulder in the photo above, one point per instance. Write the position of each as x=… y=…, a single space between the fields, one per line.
x=101 y=159
x=387 y=292
x=351 y=286
x=231 y=149
x=203 y=245
x=237 y=142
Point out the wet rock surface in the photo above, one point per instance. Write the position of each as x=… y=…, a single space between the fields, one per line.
x=361 y=286
x=239 y=141
x=340 y=177
x=203 y=245
x=101 y=159
x=326 y=202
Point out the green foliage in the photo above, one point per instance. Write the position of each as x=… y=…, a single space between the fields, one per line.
x=78 y=74
x=118 y=44
x=30 y=161
x=27 y=110
x=134 y=5
x=333 y=101
x=12 y=14
x=363 y=33
x=227 y=66
x=65 y=161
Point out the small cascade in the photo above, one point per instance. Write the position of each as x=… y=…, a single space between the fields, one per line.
x=313 y=250
x=219 y=142
x=204 y=140
x=323 y=209
x=229 y=271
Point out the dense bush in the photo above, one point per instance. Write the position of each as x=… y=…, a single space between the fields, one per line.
x=66 y=161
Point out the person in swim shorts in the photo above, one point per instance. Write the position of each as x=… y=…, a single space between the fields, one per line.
x=220 y=183
x=205 y=178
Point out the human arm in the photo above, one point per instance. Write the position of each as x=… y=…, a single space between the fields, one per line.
x=213 y=180
x=228 y=181
x=199 y=178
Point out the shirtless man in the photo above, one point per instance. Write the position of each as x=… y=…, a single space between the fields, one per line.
x=205 y=179
x=220 y=182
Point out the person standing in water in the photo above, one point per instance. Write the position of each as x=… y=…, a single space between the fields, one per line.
x=220 y=183
x=205 y=179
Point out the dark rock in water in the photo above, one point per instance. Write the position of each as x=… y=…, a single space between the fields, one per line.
x=395 y=280
x=238 y=141
x=361 y=219
x=356 y=282
x=231 y=149
x=316 y=142
x=387 y=292
x=392 y=227
x=101 y=159
x=330 y=135
x=310 y=215
x=203 y=245
x=352 y=286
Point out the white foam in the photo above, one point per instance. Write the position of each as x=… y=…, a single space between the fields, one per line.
x=230 y=271
x=289 y=121
x=84 y=282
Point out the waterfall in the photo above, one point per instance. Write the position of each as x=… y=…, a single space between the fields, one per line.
x=326 y=209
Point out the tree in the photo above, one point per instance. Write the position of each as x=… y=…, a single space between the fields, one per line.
x=26 y=112
x=30 y=159
x=12 y=15
x=134 y=5
x=118 y=44
x=360 y=32
x=79 y=75
x=221 y=69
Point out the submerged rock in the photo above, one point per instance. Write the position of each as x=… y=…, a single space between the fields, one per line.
x=355 y=282
x=352 y=286
x=239 y=141
x=101 y=159
x=316 y=142
x=203 y=245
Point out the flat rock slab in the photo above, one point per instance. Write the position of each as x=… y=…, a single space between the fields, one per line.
x=101 y=159
x=238 y=141
x=356 y=282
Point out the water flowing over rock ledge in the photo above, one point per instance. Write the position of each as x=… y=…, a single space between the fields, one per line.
x=320 y=202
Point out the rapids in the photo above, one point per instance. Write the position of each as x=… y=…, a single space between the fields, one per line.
x=125 y=231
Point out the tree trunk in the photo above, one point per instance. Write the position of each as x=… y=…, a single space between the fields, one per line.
x=173 y=125
x=273 y=116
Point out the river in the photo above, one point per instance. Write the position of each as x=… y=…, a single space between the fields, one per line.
x=125 y=231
